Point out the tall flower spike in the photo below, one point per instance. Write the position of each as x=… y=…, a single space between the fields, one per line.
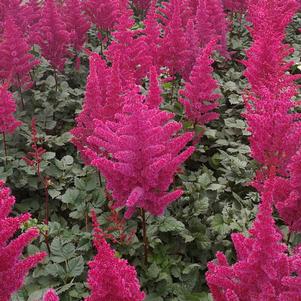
x=77 y=25
x=275 y=128
x=53 y=36
x=33 y=15
x=152 y=33
x=211 y=23
x=131 y=51
x=13 y=269
x=51 y=295
x=8 y=123
x=263 y=270
x=15 y=60
x=145 y=152
x=199 y=97
x=102 y=13
x=95 y=100
x=109 y=277
x=174 y=50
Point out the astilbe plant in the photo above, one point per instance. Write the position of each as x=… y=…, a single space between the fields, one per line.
x=102 y=13
x=131 y=51
x=211 y=23
x=8 y=123
x=13 y=269
x=145 y=152
x=275 y=133
x=15 y=60
x=275 y=129
x=102 y=101
x=151 y=34
x=53 y=36
x=199 y=97
x=263 y=270
x=189 y=8
x=16 y=10
x=77 y=25
x=111 y=278
x=33 y=16
x=174 y=50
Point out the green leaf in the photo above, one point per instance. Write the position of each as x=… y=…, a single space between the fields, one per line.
x=169 y=224
x=76 y=266
x=70 y=195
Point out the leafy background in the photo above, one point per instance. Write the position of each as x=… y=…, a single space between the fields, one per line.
x=217 y=200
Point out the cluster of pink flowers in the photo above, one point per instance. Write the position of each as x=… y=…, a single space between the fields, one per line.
x=8 y=123
x=275 y=129
x=263 y=270
x=111 y=278
x=13 y=269
x=53 y=37
x=144 y=155
x=15 y=60
x=199 y=97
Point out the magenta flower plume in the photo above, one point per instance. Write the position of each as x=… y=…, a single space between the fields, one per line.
x=275 y=135
x=263 y=270
x=51 y=295
x=267 y=68
x=275 y=130
x=102 y=13
x=111 y=278
x=211 y=24
x=16 y=10
x=95 y=100
x=15 y=60
x=8 y=123
x=13 y=269
x=33 y=15
x=53 y=36
x=76 y=23
x=199 y=97
x=174 y=50
x=131 y=51
x=152 y=33
x=189 y=8
x=145 y=152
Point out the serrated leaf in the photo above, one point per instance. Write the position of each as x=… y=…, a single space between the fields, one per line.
x=76 y=266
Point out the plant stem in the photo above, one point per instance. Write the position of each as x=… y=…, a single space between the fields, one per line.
x=56 y=80
x=145 y=240
x=5 y=147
